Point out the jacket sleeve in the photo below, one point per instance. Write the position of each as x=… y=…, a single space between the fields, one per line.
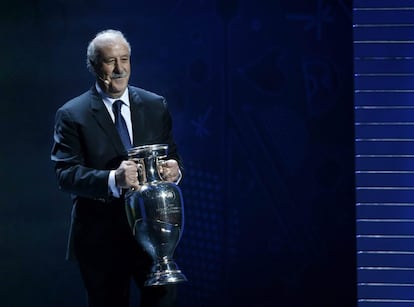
x=67 y=154
x=169 y=138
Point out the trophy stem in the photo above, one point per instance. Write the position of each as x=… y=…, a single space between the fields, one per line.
x=164 y=272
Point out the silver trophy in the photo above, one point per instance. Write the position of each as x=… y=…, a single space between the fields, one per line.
x=156 y=215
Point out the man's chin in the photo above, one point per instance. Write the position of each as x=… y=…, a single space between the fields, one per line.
x=117 y=89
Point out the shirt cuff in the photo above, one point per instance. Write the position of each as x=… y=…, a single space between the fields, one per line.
x=179 y=177
x=113 y=189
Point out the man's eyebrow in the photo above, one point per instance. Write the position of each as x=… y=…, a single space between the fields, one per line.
x=114 y=57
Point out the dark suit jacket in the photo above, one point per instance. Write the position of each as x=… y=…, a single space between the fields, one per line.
x=87 y=146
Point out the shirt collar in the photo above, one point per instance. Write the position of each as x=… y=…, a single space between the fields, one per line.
x=109 y=100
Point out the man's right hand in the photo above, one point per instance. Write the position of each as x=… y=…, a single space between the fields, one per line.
x=126 y=175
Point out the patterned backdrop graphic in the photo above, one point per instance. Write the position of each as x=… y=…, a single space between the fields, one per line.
x=261 y=94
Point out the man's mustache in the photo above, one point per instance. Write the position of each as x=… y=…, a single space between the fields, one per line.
x=117 y=76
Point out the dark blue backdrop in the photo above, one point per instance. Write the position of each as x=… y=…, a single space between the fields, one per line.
x=262 y=97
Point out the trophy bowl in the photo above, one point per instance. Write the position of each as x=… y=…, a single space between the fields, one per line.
x=155 y=215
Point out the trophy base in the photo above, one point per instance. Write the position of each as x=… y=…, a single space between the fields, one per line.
x=165 y=273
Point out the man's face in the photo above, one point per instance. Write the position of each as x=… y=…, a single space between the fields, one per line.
x=113 y=66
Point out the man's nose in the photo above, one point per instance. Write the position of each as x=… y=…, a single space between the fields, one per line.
x=118 y=67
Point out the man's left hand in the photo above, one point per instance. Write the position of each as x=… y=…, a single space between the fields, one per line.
x=169 y=170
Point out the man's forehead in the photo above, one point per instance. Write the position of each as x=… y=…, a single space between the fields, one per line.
x=112 y=48
x=109 y=40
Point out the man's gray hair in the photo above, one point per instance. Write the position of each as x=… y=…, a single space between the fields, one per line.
x=92 y=54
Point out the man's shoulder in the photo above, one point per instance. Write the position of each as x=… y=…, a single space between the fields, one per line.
x=78 y=102
x=139 y=94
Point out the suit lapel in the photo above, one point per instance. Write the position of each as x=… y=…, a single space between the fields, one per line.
x=137 y=117
x=101 y=115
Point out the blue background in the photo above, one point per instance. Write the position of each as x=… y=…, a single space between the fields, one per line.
x=262 y=98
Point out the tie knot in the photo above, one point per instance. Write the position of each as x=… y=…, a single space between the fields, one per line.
x=116 y=106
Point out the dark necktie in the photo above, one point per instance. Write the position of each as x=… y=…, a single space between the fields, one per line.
x=120 y=124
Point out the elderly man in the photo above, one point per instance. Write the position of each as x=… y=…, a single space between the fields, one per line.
x=90 y=157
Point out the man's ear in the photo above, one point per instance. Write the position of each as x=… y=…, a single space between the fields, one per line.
x=93 y=65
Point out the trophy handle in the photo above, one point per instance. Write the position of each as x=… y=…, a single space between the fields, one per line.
x=141 y=169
